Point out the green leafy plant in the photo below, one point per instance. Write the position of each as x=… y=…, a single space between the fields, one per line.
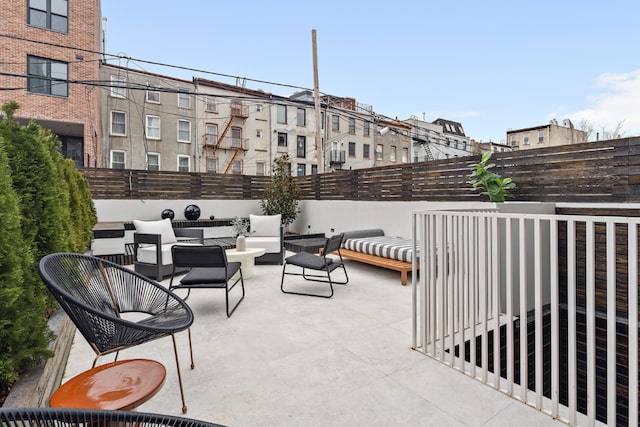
x=496 y=187
x=282 y=195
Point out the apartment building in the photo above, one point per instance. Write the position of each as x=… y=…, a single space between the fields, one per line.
x=50 y=66
x=440 y=139
x=549 y=135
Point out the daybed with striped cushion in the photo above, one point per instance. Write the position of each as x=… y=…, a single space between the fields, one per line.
x=373 y=247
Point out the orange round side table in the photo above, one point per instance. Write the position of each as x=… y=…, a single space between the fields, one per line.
x=122 y=385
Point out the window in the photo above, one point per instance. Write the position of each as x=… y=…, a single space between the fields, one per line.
x=47 y=76
x=302 y=117
x=322 y=119
x=514 y=142
x=301 y=169
x=352 y=149
x=212 y=164
x=335 y=123
x=526 y=139
x=352 y=125
x=258 y=133
x=211 y=104
x=365 y=151
x=301 y=146
x=540 y=136
x=236 y=169
x=282 y=139
x=259 y=108
x=152 y=94
x=118 y=123
x=183 y=163
x=118 y=87
x=392 y=155
x=153 y=161
x=49 y=14
x=153 y=127
x=366 y=129
x=117 y=159
x=236 y=137
x=405 y=155
x=184 y=131
x=281 y=112
x=379 y=152
x=260 y=168
x=314 y=169
x=210 y=134
x=184 y=100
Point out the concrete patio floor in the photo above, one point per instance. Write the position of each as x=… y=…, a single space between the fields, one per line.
x=288 y=360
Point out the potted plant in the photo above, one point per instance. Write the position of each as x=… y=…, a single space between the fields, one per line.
x=240 y=227
x=282 y=195
x=496 y=187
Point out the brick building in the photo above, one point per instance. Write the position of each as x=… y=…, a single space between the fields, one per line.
x=50 y=66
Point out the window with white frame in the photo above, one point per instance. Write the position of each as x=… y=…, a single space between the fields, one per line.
x=212 y=164
x=405 y=155
x=259 y=108
x=366 y=128
x=526 y=139
x=49 y=14
x=258 y=133
x=335 y=123
x=153 y=161
x=210 y=134
x=236 y=137
x=152 y=94
x=301 y=117
x=513 y=141
x=117 y=159
x=379 y=152
x=281 y=114
x=540 y=136
x=236 y=169
x=211 y=104
x=184 y=163
x=118 y=87
x=365 y=151
x=392 y=154
x=184 y=100
x=184 y=131
x=260 y=168
x=153 y=127
x=118 y=125
x=352 y=125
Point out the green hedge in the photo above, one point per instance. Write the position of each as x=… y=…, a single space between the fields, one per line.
x=45 y=207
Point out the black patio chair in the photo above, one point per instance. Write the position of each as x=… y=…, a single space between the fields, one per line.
x=319 y=263
x=208 y=268
x=96 y=293
x=58 y=417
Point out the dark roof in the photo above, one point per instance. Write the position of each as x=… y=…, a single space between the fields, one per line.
x=451 y=127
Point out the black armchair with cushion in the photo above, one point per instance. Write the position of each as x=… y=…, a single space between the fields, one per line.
x=322 y=267
x=208 y=268
x=38 y=417
x=98 y=297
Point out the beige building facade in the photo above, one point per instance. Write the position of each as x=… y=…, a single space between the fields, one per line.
x=545 y=136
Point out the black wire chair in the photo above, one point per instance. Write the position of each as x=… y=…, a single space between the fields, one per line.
x=95 y=293
x=322 y=264
x=57 y=417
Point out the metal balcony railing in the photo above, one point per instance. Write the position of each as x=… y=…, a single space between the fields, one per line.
x=337 y=158
x=228 y=142
x=541 y=307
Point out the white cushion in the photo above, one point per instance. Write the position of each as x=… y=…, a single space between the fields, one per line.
x=148 y=254
x=162 y=227
x=264 y=225
x=270 y=244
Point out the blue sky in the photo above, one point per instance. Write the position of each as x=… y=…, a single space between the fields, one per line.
x=491 y=65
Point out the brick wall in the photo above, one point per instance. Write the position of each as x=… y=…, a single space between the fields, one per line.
x=78 y=47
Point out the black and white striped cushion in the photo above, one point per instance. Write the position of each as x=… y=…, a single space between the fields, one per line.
x=384 y=246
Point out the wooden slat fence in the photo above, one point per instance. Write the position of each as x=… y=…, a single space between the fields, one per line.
x=597 y=172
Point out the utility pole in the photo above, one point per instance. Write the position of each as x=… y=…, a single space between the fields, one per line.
x=316 y=101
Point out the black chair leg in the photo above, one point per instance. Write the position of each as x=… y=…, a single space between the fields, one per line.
x=284 y=267
x=241 y=280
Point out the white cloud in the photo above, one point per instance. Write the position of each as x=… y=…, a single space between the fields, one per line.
x=617 y=99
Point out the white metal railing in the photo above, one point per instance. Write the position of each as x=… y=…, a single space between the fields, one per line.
x=571 y=280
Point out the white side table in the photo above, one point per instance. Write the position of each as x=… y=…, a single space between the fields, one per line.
x=246 y=259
